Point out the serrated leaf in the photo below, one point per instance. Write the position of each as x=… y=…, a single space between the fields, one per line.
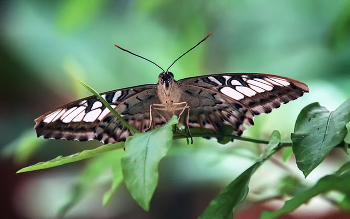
x=317 y=131
x=338 y=181
x=223 y=205
x=58 y=161
x=143 y=153
x=92 y=170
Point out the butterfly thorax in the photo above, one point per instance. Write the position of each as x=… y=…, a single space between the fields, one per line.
x=168 y=91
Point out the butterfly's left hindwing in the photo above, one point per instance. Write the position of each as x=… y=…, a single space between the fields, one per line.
x=87 y=119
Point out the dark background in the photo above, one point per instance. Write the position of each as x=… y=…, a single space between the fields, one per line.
x=47 y=46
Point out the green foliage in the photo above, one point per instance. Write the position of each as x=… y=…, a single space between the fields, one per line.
x=224 y=204
x=23 y=148
x=143 y=153
x=274 y=142
x=229 y=198
x=95 y=167
x=117 y=177
x=58 y=161
x=317 y=131
x=298 y=44
x=339 y=181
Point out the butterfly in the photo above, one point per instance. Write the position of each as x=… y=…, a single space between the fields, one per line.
x=210 y=102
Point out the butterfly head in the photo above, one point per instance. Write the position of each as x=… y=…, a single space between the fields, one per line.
x=166 y=80
x=167 y=88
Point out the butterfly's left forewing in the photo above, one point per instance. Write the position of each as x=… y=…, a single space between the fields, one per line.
x=87 y=119
x=233 y=99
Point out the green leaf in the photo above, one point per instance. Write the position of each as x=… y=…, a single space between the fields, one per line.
x=225 y=130
x=347 y=137
x=58 y=161
x=117 y=178
x=317 y=131
x=338 y=181
x=344 y=204
x=143 y=152
x=86 y=181
x=222 y=206
x=274 y=142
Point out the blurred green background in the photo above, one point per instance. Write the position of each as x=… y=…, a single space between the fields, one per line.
x=47 y=46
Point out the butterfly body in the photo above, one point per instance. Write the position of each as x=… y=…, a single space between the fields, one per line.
x=168 y=91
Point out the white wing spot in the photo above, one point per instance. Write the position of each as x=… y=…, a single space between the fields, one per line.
x=232 y=93
x=50 y=117
x=60 y=114
x=103 y=96
x=244 y=77
x=103 y=114
x=236 y=83
x=79 y=118
x=214 y=80
x=69 y=115
x=227 y=77
x=97 y=104
x=256 y=88
x=92 y=115
x=281 y=81
x=277 y=81
x=82 y=102
x=261 y=84
x=246 y=91
x=79 y=114
x=116 y=96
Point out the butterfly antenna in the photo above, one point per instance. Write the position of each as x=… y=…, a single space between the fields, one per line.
x=139 y=57
x=189 y=50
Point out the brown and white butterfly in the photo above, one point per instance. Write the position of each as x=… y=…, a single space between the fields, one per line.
x=206 y=101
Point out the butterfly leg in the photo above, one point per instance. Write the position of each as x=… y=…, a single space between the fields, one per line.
x=155 y=107
x=183 y=108
x=187 y=122
x=150 y=118
x=172 y=108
